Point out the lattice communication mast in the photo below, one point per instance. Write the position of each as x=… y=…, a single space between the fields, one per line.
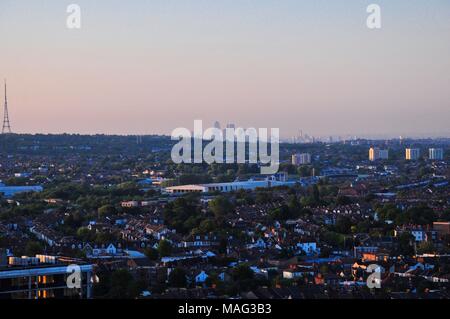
x=6 y=124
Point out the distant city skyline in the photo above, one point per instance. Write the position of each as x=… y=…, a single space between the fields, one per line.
x=148 y=67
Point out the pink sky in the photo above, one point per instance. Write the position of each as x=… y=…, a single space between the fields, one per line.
x=151 y=67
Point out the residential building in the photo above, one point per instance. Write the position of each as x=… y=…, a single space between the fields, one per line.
x=201 y=277
x=436 y=154
x=412 y=154
x=442 y=228
x=298 y=271
x=308 y=247
x=130 y=204
x=301 y=159
x=376 y=153
x=44 y=277
x=418 y=233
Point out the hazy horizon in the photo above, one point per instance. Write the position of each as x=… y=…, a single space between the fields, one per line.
x=147 y=67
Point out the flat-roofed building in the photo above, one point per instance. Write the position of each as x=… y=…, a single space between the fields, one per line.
x=436 y=154
x=44 y=277
x=442 y=228
x=412 y=154
x=130 y=204
x=376 y=153
x=186 y=189
x=301 y=159
x=226 y=187
x=9 y=191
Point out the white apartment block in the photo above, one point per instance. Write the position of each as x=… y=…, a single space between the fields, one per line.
x=436 y=154
x=301 y=159
x=412 y=154
x=376 y=153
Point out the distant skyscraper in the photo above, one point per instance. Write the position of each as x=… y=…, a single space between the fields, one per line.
x=436 y=154
x=217 y=125
x=301 y=159
x=375 y=154
x=412 y=154
x=6 y=125
x=231 y=125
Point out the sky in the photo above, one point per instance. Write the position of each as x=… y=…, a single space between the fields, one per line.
x=148 y=67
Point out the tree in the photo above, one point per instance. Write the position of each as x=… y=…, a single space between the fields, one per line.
x=446 y=242
x=244 y=277
x=343 y=200
x=315 y=193
x=123 y=285
x=405 y=247
x=325 y=252
x=304 y=171
x=308 y=201
x=333 y=239
x=164 y=248
x=106 y=210
x=186 y=179
x=183 y=214
x=220 y=207
x=207 y=226
x=445 y=216
x=33 y=248
x=242 y=272
x=343 y=225
x=294 y=207
x=287 y=167
x=84 y=234
x=423 y=285
x=281 y=213
x=390 y=212
x=243 y=197
x=263 y=196
x=363 y=226
x=74 y=220
x=177 y=278
x=151 y=253
x=103 y=238
x=425 y=247
x=421 y=215
x=223 y=245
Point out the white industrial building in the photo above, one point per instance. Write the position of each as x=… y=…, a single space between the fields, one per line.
x=227 y=187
